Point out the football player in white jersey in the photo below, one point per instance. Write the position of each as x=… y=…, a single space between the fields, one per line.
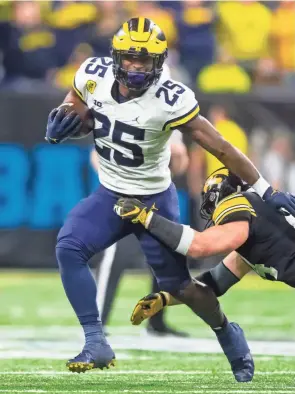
x=135 y=112
x=113 y=262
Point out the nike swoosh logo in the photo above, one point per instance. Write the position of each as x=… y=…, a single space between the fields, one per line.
x=134 y=212
x=153 y=207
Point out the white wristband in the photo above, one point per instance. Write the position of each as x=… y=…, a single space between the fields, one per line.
x=261 y=186
x=185 y=240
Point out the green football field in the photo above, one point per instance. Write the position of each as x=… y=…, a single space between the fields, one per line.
x=39 y=332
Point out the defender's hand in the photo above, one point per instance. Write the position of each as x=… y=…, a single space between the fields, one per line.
x=147 y=307
x=133 y=210
x=284 y=202
x=61 y=125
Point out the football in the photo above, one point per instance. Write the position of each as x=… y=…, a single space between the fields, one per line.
x=85 y=114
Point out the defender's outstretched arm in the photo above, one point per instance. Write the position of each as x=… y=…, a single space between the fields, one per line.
x=183 y=239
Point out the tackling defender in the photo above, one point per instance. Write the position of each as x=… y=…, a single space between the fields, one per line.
x=135 y=112
x=255 y=236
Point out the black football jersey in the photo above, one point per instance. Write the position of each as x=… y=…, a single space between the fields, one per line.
x=270 y=247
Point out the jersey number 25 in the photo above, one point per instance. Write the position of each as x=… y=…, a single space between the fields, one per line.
x=137 y=158
x=166 y=89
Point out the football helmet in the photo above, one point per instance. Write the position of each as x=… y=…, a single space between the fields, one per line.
x=139 y=37
x=220 y=184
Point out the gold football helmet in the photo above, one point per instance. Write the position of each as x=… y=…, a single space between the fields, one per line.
x=220 y=184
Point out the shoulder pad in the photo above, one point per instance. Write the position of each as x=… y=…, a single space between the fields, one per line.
x=89 y=74
x=235 y=203
x=178 y=101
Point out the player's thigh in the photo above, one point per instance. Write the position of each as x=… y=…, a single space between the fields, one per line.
x=169 y=267
x=93 y=223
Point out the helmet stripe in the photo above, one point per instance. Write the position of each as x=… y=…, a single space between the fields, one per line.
x=141 y=24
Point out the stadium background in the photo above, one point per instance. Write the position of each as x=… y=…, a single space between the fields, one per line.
x=239 y=57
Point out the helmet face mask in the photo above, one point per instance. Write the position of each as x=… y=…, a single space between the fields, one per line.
x=136 y=80
x=210 y=201
x=140 y=38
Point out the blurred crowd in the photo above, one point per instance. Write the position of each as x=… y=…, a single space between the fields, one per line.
x=214 y=46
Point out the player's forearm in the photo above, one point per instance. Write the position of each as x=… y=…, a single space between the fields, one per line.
x=221 y=239
x=205 y=134
x=185 y=240
x=178 y=237
x=238 y=163
x=174 y=235
x=209 y=243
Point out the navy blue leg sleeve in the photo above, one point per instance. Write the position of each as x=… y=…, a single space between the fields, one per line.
x=78 y=283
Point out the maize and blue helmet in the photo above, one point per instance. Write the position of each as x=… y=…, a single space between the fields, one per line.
x=139 y=37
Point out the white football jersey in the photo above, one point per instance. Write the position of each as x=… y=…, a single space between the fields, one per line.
x=132 y=138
